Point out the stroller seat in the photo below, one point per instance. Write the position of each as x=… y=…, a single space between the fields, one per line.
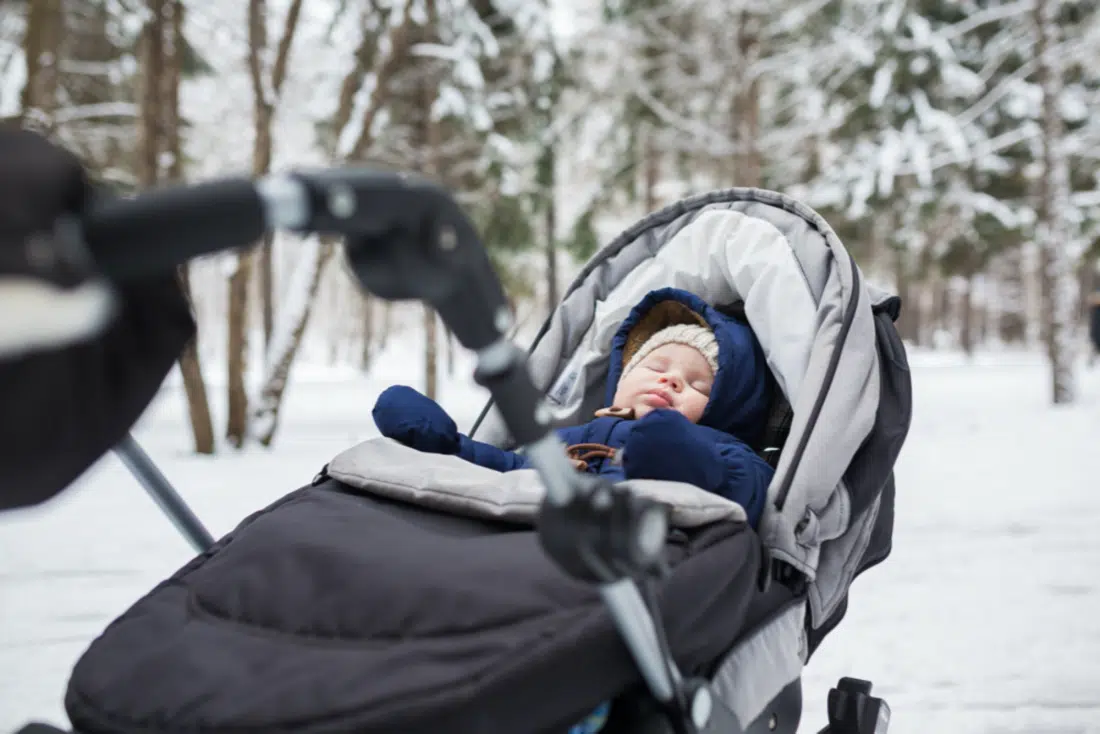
x=399 y=592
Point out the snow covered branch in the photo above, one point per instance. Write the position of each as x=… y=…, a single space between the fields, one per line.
x=65 y=115
x=398 y=40
x=992 y=14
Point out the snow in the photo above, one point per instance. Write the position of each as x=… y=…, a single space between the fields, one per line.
x=1073 y=106
x=13 y=75
x=987 y=204
x=888 y=162
x=961 y=82
x=985 y=618
x=881 y=86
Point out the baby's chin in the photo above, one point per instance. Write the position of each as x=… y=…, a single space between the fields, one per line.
x=642 y=408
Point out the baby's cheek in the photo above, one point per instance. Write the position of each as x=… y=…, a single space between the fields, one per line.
x=695 y=407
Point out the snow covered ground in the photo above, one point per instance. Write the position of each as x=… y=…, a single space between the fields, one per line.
x=985 y=619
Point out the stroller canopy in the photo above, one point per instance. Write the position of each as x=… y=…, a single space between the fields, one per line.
x=815 y=317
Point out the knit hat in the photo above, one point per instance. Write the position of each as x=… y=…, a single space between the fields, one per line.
x=697 y=337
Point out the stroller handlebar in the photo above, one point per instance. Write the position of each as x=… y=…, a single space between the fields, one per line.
x=190 y=220
x=163 y=228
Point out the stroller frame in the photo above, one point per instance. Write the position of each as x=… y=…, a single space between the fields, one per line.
x=407 y=238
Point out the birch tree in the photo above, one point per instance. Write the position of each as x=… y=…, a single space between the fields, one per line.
x=1053 y=233
x=267 y=81
x=348 y=136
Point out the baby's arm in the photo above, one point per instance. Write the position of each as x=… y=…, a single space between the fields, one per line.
x=747 y=477
x=403 y=414
x=489 y=456
x=666 y=445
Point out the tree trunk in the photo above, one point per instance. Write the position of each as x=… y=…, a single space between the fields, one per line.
x=366 y=353
x=748 y=166
x=1059 y=301
x=449 y=341
x=41 y=51
x=551 y=226
x=966 y=306
x=263 y=111
x=265 y=100
x=265 y=88
x=927 y=297
x=909 y=320
x=149 y=135
x=431 y=339
x=237 y=351
x=431 y=135
x=387 y=325
x=431 y=369
x=981 y=314
x=1012 y=321
x=1086 y=286
x=940 y=308
x=194 y=386
x=240 y=281
x=315 y=256
x=400 y=41
x=267 y=287
x=651 y=170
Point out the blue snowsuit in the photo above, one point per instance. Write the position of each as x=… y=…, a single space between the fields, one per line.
x=713 y=454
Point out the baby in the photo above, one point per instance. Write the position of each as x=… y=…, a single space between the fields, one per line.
x=687 y=394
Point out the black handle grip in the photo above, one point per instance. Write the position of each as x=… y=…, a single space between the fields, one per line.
x=163 y=228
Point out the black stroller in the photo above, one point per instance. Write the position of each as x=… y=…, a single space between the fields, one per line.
x=397 y=592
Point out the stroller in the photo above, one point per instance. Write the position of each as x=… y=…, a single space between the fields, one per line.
x=407 y=592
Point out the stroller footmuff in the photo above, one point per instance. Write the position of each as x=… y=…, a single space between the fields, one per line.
x=408 y=592
x=298 y=621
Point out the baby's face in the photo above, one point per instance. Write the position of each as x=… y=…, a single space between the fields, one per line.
x=673 y=376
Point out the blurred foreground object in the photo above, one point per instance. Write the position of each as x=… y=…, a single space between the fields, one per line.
x=80 y=360
x=49 y=295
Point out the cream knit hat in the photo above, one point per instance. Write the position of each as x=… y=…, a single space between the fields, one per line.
x=697 y=337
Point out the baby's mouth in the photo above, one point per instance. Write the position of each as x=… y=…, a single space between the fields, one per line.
x=659 y=396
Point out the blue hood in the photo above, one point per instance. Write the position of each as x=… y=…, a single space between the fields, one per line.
x=739 y=398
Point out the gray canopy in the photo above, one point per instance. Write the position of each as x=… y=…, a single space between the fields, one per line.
x=814 y=316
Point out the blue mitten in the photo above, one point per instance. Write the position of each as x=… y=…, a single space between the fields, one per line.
x=666 y=445
x=403 y=414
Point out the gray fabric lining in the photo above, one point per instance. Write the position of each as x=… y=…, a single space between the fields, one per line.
x=763 y=664
x=384 y=467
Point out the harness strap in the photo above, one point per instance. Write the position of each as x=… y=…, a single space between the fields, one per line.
x=581 y=453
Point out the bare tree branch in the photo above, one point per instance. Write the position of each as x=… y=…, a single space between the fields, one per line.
x=399 y=47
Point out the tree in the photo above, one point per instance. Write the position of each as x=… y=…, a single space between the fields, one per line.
x=547 y=112
x=1053 y=232
x=42 y=53
x=175 y=54
x=159 y=141
x=266 y=86
x=348 y=136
